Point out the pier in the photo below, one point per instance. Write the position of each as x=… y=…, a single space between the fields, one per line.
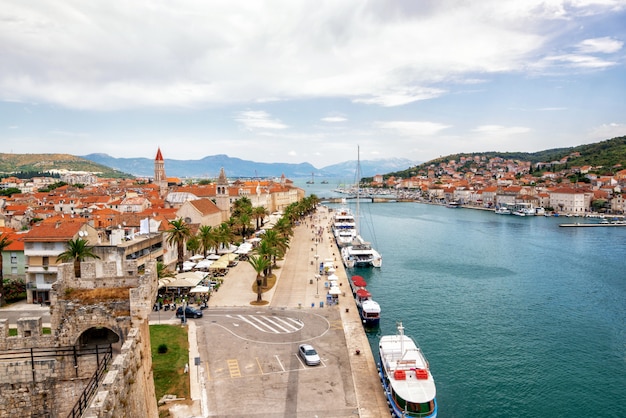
x=588 y=225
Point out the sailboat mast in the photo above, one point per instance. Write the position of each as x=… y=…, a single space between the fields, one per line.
x=358 y=188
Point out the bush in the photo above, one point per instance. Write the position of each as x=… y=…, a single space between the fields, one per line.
x=162 y=349
x=14 y=290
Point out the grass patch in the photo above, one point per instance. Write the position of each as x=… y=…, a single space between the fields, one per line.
x=44 y=330
x=168 y=368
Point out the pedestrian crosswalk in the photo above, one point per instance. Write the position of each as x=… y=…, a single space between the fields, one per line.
x=271 y=324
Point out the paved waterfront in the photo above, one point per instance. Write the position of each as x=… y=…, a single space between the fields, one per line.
x=248 y=363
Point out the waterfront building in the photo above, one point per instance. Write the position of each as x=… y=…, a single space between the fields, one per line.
x=570 y=200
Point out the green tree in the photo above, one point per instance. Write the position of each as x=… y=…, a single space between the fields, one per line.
x=279 y=242
x=4 y=243
x=77 y=250
x=162 y=270
x=259 y=264
x=266 y=251
x=193 y=244
x=224 y=235
x=207 y=237
x=178 y=233
x=258 y=214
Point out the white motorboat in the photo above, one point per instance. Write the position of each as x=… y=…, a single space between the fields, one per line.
x=360 y=254
x=344 y=227
x=409 y=386
x=502 y=210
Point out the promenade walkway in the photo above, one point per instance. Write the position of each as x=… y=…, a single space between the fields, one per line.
x=297 y=288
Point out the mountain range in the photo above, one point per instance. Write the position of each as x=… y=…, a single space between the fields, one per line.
x=209 y=167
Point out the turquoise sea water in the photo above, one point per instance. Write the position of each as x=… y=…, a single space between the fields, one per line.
x=517 y=316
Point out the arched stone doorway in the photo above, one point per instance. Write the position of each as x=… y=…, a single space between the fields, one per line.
x=100 y=336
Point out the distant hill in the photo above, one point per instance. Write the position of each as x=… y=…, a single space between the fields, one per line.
x=15 y=163
x=610 y=155
x=209 y=167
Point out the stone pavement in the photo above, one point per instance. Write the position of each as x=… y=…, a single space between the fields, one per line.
x=298 y=288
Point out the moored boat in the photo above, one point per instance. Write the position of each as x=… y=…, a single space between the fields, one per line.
x=370 y=313
x=502 y=210
x=356 y=283
x=344 y=227
x=360 y=254
x=405 y=374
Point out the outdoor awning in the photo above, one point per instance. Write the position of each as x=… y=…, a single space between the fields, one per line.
x=334 y=290
x=204 y=264
x=200 y=289
x=218 y=265
x=187 y=279
x=358 y=281
x=362 y=293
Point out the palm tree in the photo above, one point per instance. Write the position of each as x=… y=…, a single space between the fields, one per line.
x=259 y=213
x=162 y=270
x=76 y=251
x=241 y=206
x=224 y=235
x=207 y=237
x=178 y=233
x=278 y=241
x=4 y=243
x=244 y=221
x=193 y=244
x=266 y=251
x=259 y=264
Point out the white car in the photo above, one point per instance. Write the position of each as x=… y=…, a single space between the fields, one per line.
x=309 y=355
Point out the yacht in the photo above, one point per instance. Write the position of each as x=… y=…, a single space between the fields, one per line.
x=406 y=378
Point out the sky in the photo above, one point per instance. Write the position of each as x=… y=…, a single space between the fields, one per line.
x=309 y=81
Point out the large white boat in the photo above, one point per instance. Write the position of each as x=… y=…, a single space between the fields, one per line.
x=360 y=253
x=405 y=374
x=344 y=227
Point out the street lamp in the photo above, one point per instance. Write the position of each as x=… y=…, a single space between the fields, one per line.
x=317 y=285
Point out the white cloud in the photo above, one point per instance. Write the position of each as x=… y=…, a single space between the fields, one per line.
x=500 y=130
x=258 y=119
x=580 y=61
x=605 y=45
x=414 y=128
x=607 y=131
x=119 y=54
x=334 y=119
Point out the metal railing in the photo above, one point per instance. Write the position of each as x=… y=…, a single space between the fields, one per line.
x=83 y=401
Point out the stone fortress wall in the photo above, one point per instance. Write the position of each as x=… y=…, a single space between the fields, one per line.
x=44 y=375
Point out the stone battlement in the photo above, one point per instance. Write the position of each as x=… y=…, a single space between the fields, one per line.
x=44 y=375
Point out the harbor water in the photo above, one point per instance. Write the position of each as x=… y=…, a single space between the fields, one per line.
x=516 y=315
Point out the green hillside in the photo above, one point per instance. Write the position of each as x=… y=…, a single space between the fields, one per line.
x=606 y=157
x=39 y=163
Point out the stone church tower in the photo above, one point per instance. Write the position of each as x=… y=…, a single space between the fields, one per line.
x=159 y=173
x=222 y=197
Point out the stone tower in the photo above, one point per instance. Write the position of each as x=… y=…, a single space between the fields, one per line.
x=159 y=173
x=222 y=197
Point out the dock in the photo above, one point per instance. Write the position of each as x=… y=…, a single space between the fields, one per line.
x=590 y=225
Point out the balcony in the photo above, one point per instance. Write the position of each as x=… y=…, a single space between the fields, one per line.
x=42 y=269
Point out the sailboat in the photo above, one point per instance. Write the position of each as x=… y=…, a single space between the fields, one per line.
x=311 y=181
x=360 y=253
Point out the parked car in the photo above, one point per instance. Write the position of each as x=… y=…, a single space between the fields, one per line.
x=309 y=355
x=189 y=312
